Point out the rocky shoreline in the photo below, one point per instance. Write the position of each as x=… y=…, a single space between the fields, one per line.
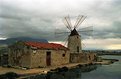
x=62 y=71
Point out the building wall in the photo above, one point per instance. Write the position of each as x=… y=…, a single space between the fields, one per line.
x=82 y=57
x=78 y=58
x=73 y=42
x=26 y=60
x=38 y=59
x=19 y=59
x=60 y=57
x=19 y=55
x=92 y=57
x=23 y=56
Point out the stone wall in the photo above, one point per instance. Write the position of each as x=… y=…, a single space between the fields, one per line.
x=78 y=58
x=26 y=61
x=58 y=57
x=73 y=43
x=82 y=57
x=38 y=58
x=22 y=56
x=19 y=58
x=92 y=57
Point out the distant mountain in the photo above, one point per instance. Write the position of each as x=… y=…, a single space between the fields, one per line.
x=13 y=40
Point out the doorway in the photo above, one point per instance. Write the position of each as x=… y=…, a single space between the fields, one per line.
x=48 y=58
x=78 y=49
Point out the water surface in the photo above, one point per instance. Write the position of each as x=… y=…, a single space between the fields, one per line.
x=112 y=71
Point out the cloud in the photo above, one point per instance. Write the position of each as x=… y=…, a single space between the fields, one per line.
x=39 y=18
x=110 y=43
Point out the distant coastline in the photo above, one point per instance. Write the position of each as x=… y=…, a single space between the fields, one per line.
x=105 y=52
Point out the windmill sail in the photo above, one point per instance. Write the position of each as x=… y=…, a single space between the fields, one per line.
x=74 y=39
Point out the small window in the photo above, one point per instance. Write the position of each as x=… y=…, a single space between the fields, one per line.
x=77 y=36
x=34 y=51
x=28 y=47
x=63 y=55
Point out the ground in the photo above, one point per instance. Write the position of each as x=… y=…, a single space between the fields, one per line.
x=35 y=70
x=45 y=70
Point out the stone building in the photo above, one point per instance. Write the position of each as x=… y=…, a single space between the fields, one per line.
x=75 y=47
x=36 y=54
x=74 y=42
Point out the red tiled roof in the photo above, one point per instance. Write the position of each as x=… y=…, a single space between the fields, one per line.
x=46 y=45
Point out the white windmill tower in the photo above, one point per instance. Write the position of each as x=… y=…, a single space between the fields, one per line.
x=74 y=38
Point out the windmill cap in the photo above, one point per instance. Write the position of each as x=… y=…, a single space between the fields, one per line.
x=74 y=32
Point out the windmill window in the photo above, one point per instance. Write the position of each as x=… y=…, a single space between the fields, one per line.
x=77 y=48
x=63 y=55
x=77 y=36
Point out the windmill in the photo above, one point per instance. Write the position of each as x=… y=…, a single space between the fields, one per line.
x=74 y=38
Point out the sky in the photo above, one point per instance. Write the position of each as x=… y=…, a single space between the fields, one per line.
x=42 y=18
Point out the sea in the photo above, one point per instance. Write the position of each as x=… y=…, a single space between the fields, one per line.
x=112 y=71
